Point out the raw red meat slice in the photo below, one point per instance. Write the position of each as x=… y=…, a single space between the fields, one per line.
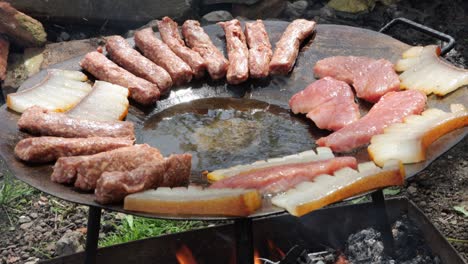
x=328 y=102
x=281 y=178
x=391 y=108
x=371 y=78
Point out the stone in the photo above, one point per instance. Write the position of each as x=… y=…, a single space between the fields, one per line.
x=216 y=16
x=69 y=243
x=33 y=215
x=4 y=50
x=295 y=9
x=22 y=29
x=26 y=226
x=24 y=219
x=352 y=6
x=412 y=190
x=261 y=10
x=64 y=36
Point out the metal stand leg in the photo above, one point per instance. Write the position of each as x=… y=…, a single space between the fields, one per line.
x=383 y=225
x=92 y=235
x=244 y=240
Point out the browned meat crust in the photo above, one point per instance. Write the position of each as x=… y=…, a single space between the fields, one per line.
x=287 y=48
x=259 y=49
x=238 y=70
x=39 y=121
x=173 y=171
x=199 y=41
x=157 y=51
x=4 y=47
x=171 y=36
x=123 y=54
x=141 y=90
x=86 y=170
x=45 y=149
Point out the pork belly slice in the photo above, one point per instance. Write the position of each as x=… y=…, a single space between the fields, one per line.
x=392 y=108
x=238 y=54
x=45 y=149
x=84 y=171
x=141 y=90
x=157 y=51
x=280 y=178
x=122 y=53
x=199 y=41
x=171 y=36
x=260 y=52
x=287 y=48
x=328 y=102
x=326 y=189
x=370 y=78
x=39 y=121
x=174 y=171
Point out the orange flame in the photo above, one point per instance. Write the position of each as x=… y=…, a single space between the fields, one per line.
x=185 y=256
x=257 y=257
x=274 y=249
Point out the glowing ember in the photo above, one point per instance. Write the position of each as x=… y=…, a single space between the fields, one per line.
x=185 y=256
x=257 y=259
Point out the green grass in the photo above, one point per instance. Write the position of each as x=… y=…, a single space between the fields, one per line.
x=14 y=195
x=134 y=228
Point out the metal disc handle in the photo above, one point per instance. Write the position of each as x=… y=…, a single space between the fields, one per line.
x=424 y=29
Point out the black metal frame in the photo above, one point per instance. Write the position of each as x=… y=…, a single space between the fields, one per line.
x=243 y=226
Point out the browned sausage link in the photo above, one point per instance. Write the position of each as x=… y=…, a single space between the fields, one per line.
x=141 y=90
x=238 y=70
x=86 y=170
x=259 y=49
x=4 y=46
x=171 y=172
x=123 y=54
x=157 y=51
x=171 y=36
x=287 y=48
x=199 y=41
x=45 y=149
x=39 y=121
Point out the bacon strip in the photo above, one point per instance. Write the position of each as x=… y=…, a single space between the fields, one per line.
x=199 y=41
x=157 y=51
x=238 y=70
x=123 y=54
x=141 y=90
x=281 y=178
x=171 y=36
x=260 y=52
x=45 y=149
x=287 y=48
x=173 y=171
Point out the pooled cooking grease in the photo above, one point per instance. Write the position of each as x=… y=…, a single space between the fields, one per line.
x=223 y=132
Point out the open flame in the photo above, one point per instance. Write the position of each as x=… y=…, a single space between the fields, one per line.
x=184 y=255
x=275 y=250
x=257 y=259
